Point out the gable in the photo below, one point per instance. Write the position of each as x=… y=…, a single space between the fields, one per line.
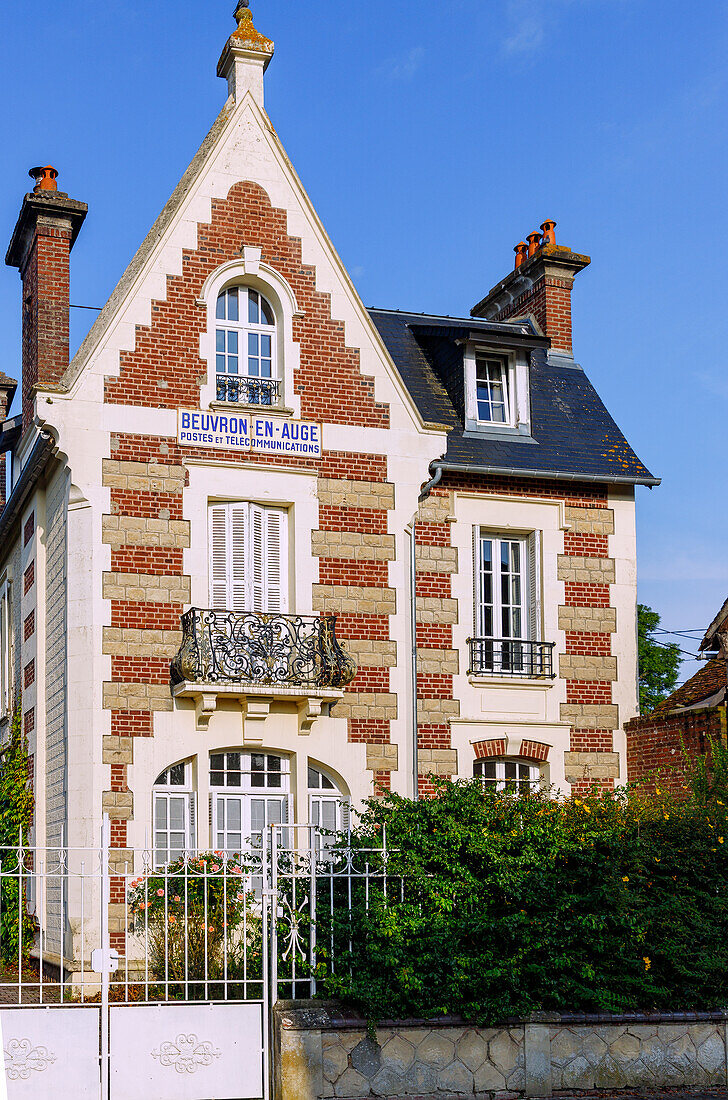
x=240 y=190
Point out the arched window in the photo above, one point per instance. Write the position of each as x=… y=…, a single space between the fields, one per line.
x=173 y=814
x=245 y=360
x=249 y=790
x=507 y=774
x=328 y=808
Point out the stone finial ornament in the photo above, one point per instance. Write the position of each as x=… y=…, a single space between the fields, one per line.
x=246 y=34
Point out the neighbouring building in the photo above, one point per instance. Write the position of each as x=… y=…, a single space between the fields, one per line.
x=665 y=742
x=216 y=509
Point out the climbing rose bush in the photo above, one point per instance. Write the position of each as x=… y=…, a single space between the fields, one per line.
x=197 y=923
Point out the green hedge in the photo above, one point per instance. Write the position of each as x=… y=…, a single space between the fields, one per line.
x=513 y=905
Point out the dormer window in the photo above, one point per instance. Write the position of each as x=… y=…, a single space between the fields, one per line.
x=491 y=390
x=245 y=359
x=496 y=391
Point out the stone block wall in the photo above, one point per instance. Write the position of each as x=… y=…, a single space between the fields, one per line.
x=321 y=1052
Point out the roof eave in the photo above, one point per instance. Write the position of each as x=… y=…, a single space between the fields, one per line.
x=555 y=475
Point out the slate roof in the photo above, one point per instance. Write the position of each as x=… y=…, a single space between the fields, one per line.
x=706 y=682
x=575 y=437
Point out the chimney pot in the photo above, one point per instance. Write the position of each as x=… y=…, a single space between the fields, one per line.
x=534 y=240
x=521 y=251
x=45 y=178
x=549 y=237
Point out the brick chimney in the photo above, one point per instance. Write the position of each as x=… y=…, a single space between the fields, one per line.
x=40 y=248
x=540 y=286
x=8 y=387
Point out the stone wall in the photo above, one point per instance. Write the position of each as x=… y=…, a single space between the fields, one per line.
x=324 y=1052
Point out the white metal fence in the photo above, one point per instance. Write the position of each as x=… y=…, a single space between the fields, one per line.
x=149 y=951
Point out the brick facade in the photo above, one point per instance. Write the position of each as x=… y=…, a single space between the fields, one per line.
x=148 y=533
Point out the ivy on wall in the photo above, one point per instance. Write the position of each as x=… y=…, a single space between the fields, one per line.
x=16 y=818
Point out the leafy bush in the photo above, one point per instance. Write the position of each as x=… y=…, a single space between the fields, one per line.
x=513 y=905
x=16 y=819
x=199 y=924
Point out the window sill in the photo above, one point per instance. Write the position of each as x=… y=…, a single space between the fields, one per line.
x=252 y=410
x=476 y=430
x=486 y=680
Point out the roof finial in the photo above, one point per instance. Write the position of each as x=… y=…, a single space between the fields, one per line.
x=242 y=12
x=246 y=31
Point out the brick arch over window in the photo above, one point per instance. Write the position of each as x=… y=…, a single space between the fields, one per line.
x=165 y=369
x=497 y=746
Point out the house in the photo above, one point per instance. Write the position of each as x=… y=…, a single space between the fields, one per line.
x=216 y=512
x=681 y=727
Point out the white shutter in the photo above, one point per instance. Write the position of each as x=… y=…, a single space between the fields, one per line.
x=218 y=556
x=476 y=583
x=257 y=558
x=193 y=823
x=276 y=560
x=238 y=520
x=534 y=586
x=248 y=558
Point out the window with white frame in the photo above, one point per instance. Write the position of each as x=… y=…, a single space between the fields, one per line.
x=328 y=808
x=507 y=774
x=248 y=557
x=6 y=657
x=492 y=398
x=249 y=791
x=496 y=391
x=507 y=613
x=245 y=348
x=173 y=814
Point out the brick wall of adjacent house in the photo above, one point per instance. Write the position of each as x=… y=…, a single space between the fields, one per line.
x=660 y=747
x=587 y=617
x=147 y=531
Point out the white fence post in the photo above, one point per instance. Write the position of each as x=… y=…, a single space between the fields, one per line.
x=106 y=954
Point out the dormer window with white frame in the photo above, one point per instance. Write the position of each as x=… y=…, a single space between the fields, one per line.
x=496 y=391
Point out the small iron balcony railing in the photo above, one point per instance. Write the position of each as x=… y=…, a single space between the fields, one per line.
x=241 y=390
x=510 y=657
x=258 y=648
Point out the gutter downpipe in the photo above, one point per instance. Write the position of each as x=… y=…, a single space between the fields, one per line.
x=424 y=493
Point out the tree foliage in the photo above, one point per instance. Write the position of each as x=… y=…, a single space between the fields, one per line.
x=16 y=818
x=659 y=664
x=499 y=906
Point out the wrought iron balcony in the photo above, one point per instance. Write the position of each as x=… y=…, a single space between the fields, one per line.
x=225 y=647
x=242 y=390
x=510 y=657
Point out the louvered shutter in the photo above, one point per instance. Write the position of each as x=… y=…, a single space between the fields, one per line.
x=193 y=822
x=256 y=560
x=218 y=555
x=238 y=522
x=276 y=560
x=534 y=586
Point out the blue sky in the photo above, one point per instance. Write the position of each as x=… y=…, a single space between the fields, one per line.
x=432 y=135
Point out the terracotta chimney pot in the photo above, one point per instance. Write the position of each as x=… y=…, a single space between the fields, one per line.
x=45 y=178
x=534 y=240
x=547 y=228
x=521 y=251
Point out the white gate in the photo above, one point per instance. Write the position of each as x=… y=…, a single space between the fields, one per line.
x=125 y=980
x=125 y=977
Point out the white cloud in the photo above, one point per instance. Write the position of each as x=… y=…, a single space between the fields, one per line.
x=718 y=386
x=404 y=67
x=527 y=27
x=528 y=23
